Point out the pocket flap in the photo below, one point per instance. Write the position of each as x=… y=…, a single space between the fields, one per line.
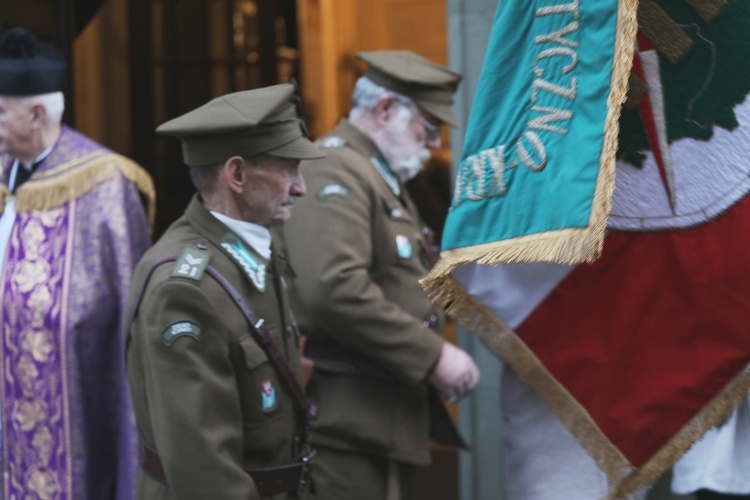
x=254 y=354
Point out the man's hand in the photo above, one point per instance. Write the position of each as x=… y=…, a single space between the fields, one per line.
x=455 y=374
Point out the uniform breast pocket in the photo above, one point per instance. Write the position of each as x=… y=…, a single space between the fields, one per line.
x=399 y=243
x=259 y=384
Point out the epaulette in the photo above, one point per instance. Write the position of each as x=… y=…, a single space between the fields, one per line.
x=332 y=142
x=191 y=263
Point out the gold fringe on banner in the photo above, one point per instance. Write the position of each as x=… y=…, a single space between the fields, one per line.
x=625 y=479
x=566 y=246
x=70 y=181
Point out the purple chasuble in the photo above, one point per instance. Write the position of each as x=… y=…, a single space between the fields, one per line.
x=67 y=426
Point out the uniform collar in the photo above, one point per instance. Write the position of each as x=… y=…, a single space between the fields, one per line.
x=258 y=237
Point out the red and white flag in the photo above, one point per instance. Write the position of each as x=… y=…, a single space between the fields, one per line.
x=642 y=351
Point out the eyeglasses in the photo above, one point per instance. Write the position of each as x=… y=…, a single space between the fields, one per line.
x=432 y=130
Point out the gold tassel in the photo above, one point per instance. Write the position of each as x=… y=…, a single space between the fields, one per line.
x=68 y=182
x=4 y=197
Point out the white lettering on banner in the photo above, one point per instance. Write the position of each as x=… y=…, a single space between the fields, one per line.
x=483 y=175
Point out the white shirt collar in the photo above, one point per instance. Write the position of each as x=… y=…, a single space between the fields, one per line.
x=258 y=237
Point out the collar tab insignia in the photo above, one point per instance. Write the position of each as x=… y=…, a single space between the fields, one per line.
x=387 y=175
x=253 y=267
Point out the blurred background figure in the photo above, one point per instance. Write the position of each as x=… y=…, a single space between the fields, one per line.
x=73 y=226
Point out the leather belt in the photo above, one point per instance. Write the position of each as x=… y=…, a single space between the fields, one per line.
x=289 y=478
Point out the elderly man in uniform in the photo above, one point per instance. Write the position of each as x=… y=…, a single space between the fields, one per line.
x=212 y=355
x=360 y=249
x=72 y=227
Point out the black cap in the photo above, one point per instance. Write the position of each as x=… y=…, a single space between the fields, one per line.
x=28 y=66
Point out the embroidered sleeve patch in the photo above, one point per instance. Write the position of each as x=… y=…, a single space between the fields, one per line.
x=333 y=141
x=333 y=190
x=190 y=264
x=180 y=329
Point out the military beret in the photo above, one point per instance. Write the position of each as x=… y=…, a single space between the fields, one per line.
x=249 y=123
x=29 y=67
x=430 y=85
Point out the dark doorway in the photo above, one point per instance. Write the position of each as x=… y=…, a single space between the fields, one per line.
x=186 y=52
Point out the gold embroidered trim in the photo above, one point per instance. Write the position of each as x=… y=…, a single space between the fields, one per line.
x=713 y=414
x=625 y=480
x=661 y=30
x=637 y=90
x=4 y=197
x=708 y=10
x=70 y=181
x=567 y=246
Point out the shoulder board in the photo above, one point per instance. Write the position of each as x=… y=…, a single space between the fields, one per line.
x=190 y=264
x=332 y=142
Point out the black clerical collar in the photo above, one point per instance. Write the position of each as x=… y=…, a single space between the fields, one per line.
x=20 y=172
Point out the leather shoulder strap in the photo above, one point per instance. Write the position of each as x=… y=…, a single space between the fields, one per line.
x=310 y=411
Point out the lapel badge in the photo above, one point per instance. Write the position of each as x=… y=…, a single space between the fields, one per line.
x=252 y=266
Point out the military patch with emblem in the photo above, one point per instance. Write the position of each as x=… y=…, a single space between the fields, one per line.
x=253 y=267
x=190 y=264
x=330 y=190
x=404 y=246
x=180 y=329
x=268 y=395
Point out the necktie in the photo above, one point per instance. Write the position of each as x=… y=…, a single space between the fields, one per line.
x=23 y=174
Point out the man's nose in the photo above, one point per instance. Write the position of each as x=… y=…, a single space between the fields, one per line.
x=298 y=187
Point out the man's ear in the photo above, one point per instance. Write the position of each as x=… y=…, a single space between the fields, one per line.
x=385 y=108
x=233 y=173
x=38 y=116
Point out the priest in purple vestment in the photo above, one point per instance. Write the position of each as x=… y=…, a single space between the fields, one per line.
x=72 y=227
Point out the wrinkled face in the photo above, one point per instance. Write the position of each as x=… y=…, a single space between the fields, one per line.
x=409 y=136
x=272 y=187
x=15 y=128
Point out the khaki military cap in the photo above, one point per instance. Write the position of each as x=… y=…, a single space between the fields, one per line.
x=249 y=123
x=430 y=85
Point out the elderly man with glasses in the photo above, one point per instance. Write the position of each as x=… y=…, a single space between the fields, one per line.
x=359 y=250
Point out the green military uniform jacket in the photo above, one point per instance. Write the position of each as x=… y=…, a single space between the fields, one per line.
x=355 y=243
x=205 y=395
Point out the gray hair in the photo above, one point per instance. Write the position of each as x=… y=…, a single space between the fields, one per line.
x=367 y=94
x=53 y=102
x=204 y=177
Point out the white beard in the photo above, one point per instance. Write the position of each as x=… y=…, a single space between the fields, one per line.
x=405 y=156
x=408 y=168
